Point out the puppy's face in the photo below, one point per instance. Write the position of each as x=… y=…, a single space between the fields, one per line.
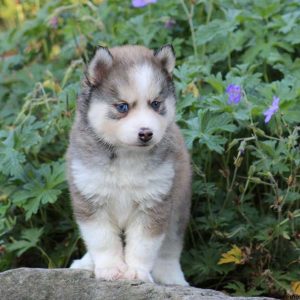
x=133 y=102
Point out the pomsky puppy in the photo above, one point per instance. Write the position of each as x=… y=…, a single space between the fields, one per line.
x=128 y=169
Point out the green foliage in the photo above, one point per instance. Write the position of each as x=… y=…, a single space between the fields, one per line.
x=30 y=238
x=246 y=172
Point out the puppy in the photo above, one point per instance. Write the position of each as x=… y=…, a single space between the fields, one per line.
x=128 y=168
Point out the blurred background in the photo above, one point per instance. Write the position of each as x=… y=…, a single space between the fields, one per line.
x=238 y=90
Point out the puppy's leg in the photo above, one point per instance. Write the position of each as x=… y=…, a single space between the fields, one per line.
x=167 y=269
x=85 y=263
x=141 y=252
x=104 y=245
x=142 y=244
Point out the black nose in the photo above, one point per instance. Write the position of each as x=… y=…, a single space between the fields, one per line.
x=145 y=134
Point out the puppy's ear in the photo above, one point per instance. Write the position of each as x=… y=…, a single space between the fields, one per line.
x=166 y=56
x=99 y=66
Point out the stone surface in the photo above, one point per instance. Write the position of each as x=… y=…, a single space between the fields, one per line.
x=67 y=284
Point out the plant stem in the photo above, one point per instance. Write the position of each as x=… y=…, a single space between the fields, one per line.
x=190 y=15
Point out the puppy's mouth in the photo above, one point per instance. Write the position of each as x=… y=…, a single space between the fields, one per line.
x=144 y=144
x=141 y=145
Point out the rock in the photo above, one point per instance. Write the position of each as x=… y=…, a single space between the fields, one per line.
x=69 y=284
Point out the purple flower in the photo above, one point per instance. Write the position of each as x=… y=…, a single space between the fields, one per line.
x=234 y=94
x=272 y=109
x=142 y=3
x=169 y=24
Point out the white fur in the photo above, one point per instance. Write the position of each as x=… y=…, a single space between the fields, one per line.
x=85 y=263
x=165 y=271
x=168 y=271
x=104 y=246
x=143 y=82
x=124 y=183
x=119 y=187
x=141 y=251
x=142 y=118
x=97 y=116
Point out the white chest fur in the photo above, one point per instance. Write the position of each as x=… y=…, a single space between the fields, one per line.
x=124 y=183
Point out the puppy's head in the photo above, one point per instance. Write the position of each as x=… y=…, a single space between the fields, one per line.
x=132 y=101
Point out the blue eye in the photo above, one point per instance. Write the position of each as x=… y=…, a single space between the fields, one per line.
x=122 y=108
x=155 y=105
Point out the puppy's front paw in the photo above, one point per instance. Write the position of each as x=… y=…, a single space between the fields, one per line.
x=138 y=274
x=111 y=273
x=85 y=263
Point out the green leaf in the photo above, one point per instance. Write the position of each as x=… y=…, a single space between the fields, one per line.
x=213 y=142
x=292 y=197
x=44 y=189
x=55 y=176
x=216 y=28
x=11 y=160
x=29 y=239
x=216 y=82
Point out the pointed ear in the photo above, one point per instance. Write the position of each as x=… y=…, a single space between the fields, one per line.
x=99 y=65
x=166 y=56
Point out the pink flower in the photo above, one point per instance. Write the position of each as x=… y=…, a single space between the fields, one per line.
x=142 y=3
